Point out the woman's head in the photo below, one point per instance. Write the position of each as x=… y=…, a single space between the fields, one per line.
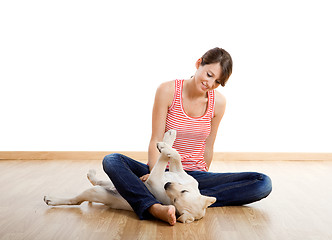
x=221 y=56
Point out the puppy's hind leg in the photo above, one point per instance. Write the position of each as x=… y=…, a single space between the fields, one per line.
x=96 y=194
x=56 y=201
x=87 y=195
x=96 y=182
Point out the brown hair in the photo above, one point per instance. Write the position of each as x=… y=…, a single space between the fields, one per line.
x=221 y=56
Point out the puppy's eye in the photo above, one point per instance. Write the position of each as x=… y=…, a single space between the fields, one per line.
x=174 y=199
x=183 y=191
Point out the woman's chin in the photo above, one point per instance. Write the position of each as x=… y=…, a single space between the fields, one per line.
x=203 y=88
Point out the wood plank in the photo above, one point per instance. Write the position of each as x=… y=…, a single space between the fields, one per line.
x=298 y=207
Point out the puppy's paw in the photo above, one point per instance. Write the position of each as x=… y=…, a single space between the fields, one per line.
x=91 y=175
x=167 y=150
x=49 y=201
x=160 y=146
x=169 y=137
x=92 y=172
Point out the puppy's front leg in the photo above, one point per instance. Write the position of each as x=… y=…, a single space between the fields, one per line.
x=174 y=157
x=169 y=137
x=159 y=168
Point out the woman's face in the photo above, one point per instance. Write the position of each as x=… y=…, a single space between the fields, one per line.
x=207 y=76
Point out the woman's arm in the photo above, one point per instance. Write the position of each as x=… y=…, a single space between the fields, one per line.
x=163 y=100
x=220 y=105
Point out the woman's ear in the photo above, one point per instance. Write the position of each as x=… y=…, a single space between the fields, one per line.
x=198 y=63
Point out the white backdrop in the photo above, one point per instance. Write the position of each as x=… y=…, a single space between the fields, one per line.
x=81 y=75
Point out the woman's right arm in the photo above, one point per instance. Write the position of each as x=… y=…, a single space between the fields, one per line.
x=163 y=100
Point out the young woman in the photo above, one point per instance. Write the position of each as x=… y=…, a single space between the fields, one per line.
x=194 y=109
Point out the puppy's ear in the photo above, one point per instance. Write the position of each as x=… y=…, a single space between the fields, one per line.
x=186 y=218
x=207 y=201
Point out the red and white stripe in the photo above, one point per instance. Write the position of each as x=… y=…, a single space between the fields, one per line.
x=191 y=131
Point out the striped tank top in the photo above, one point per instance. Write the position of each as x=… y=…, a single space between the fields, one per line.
x=192 y=132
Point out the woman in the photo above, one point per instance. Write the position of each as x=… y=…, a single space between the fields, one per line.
x=194 y=109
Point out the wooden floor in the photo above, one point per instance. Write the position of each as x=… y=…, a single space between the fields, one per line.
x=299 y=206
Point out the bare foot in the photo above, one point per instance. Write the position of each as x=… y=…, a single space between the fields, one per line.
x=165 y=213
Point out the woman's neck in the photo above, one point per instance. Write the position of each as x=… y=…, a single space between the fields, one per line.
x=190 y=90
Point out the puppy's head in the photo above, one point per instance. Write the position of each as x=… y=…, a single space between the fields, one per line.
x=189 y=203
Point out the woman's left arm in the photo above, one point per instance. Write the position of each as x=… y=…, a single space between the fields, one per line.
x=220 y=105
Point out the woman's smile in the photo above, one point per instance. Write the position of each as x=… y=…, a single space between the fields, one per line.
x=205 y=86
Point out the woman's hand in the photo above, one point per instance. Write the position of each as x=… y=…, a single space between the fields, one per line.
x=144 y=177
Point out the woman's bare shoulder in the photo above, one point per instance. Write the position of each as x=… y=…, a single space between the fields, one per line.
x=165 y=91
x=220 y=103
x=167 y=87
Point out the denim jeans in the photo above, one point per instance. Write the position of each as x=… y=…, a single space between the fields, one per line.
x=230 y=189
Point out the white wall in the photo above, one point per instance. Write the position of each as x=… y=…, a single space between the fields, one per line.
x=81 y=75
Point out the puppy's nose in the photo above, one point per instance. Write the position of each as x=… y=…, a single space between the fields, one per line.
x=166 y=186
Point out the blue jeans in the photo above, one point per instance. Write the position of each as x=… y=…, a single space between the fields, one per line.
x=230 y=189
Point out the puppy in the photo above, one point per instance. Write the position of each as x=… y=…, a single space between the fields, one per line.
x=174 y=187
